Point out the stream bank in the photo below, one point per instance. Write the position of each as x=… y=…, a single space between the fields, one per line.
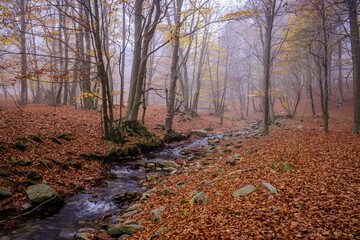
x=96 y=208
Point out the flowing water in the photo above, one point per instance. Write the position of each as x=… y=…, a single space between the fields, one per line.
x=84 y=209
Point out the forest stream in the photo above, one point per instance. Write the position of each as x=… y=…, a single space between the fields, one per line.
x=86 y=209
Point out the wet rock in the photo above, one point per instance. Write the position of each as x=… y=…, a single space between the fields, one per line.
x=200 y=133
x=168 y=163
x=286 y=167
x=213 y=141
x=244 y=191
x=33 y=175
x=4 y=173
x=39 y=193
x=156 y=213
x=118 y=230
x=124 y=198
x=151 y=165
x=181 y=184
x=25 y=162
x=5 y=194
x=269 y=187
x=83 y=236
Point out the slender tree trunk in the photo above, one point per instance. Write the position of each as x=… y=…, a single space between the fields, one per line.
x=355 y=54
x=341 y=93
x=122 y=57
x=23 y=82
x=326 y=69
x=87 y=93
x=267 y=61
x=199 y=72
x=60 y=54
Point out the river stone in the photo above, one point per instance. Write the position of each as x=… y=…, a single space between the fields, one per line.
x=167 y=163
x=244 y=191
x=119 y=230
x=269 y=187
x=213 y=141
x=83 y=236
x=124 y=198
x=199 y=132
x=226 y=138
x=5 y=194
x=286 y=167
x=40 y=193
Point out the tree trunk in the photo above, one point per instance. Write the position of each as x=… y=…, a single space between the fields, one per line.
x=341 y=93
x=174 y=69
x=355 y=54
x=23 y=82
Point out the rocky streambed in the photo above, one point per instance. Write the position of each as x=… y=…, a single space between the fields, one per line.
x=98 y=208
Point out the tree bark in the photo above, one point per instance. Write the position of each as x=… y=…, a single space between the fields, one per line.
x=355 y=54
x=23 y=82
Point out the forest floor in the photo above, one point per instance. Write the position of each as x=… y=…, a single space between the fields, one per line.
x=317 y=199
x=51 y=140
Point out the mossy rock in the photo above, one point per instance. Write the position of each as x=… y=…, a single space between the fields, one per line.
x=14 y=161
x=135 y=128
x=25 y=162
x=165 y=192
x=173 y=136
